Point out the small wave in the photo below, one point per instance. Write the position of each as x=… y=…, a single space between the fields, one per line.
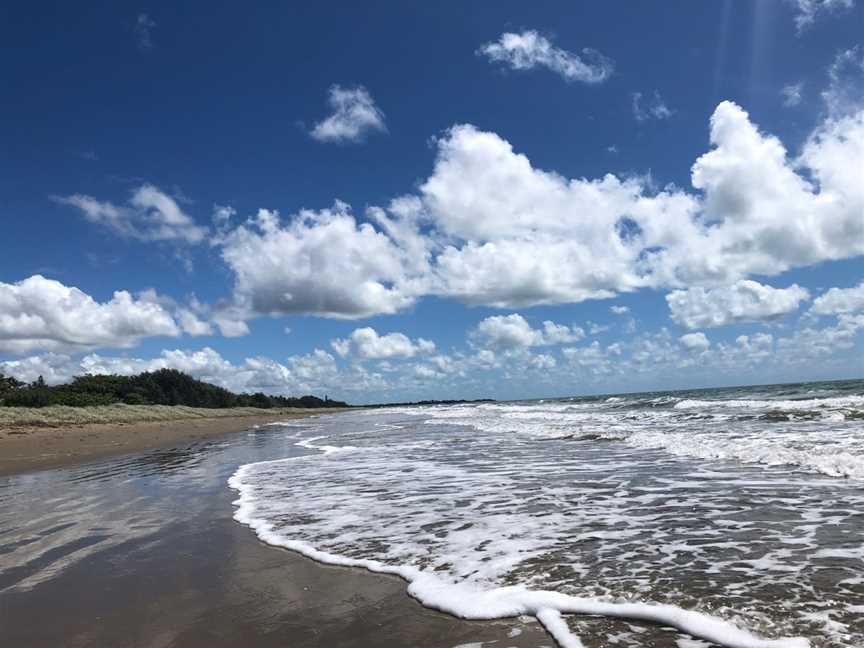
x=468 y=601
x=810 y=456
x=840 y=402
x=326 y=449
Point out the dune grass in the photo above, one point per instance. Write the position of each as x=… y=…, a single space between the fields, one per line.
x=60 y=415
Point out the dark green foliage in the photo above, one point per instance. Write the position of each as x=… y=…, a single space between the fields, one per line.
x=162 y=387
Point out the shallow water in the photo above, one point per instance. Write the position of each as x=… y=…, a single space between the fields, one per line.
x=141 y=550
x=735 y=515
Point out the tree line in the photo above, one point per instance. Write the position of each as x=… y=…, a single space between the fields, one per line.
x=162 y=387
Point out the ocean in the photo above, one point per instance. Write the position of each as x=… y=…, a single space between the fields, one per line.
x=730 y=517
x=691 y=519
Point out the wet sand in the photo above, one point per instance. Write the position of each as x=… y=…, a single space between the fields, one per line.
x=30 y=448
x=228 y=589
x=141 y=550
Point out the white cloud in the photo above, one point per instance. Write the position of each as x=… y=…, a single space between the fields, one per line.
x=40 y=313
x=192 y=318
x=594 y=328
x=425 y=372
x=508 y=332
x=367 y=344
x=222 y=217
x=488 y=228
x=529 y=49
x=791 y=94
x=513 y=235
x=840 y=300
x=633 y=362
x=759 y=214
x=619 y=310
x=654 y=108
x=543 y=362
x=315 y=372
x=192 y=324
x=323 y=263
x=845 y=92
x=553 y=333
x=514 y=332
x=354 y=116
x=806 y=11
x=152 y=215
x=743 y=301
x=758 y=346
x=807 y=344
x=695 y=341
x=592 y=358
x=143 y=26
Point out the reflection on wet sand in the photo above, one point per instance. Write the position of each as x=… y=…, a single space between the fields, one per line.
x=142 y=551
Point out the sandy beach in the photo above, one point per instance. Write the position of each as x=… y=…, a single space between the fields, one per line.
x=28 y=447
x=140 y=549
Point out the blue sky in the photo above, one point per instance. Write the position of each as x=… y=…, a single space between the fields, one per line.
x=413 y=192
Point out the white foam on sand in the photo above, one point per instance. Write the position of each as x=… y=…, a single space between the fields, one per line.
x=469 y=598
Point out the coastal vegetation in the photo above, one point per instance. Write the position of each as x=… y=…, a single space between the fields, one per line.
x=167 y=387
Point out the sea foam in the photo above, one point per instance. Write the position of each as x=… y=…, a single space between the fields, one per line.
x=709 y=518
x=468 y=602
x=460 y=581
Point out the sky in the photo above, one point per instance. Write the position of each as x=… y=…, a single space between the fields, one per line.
x=388 y=201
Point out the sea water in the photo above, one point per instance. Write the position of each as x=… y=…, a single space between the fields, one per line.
x=731 y=517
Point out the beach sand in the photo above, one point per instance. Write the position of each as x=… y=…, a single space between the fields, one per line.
x=30 y=447
x=229 y=589
x=141 y=550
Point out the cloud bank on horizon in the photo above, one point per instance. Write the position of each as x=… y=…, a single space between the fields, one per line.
x=560 y=270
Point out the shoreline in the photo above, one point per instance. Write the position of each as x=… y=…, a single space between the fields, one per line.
x=175 y=567
x=27 y=448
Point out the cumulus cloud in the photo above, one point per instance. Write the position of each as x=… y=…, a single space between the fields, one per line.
x=150 y=215
x=367 y=344
x=760 y=345
x=193 y=318
x=354 y=116
x=192 y=324
x=531 y=237
x=487 y=227
x=619 y=310
x=840 y=300
x=743 y=301
x=654 y=108
x=807 y=11
x=695 y=341
x=810 y=343
x=529 y=49
x=543 y=362
x=760 y=214
x=791 y=94
x=322 y=262
x=40 y=313
x=592 y=358
x=514 y=332
x=513 y=235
